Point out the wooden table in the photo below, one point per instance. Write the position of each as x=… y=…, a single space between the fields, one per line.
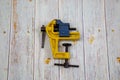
x=21 y=56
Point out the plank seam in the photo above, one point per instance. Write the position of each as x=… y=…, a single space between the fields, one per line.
x=34 y=15
x=58 y=9
x=106 y=40
x=83 y=42
x=9 y=41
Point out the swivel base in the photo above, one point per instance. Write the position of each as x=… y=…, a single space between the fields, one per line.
x=66 y=64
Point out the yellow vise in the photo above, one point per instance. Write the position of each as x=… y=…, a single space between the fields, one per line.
x=59 y=31
x=55 y=38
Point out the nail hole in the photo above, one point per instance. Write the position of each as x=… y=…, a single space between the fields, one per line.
x=99 y=30
x=28 y=31
x=113 y=30
x=4 y=32
x=30 y=0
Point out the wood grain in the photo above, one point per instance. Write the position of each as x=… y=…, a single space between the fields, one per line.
x=113 y=31
x=96 y=60
x=5 y=12
x=22 y=40
x=97 y=52
x=46 y=10
x=70 y=11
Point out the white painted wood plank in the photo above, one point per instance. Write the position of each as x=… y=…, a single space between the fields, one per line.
x=113 y=31
x=46 y=10
x=5 y=10
x=22 y=40
x=96 y=62
x=71 y=11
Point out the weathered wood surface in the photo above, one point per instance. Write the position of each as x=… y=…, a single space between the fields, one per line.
x=21 y=55
x=5 y=13
x=22 y=41
x=96 y=59
x=113 y=37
